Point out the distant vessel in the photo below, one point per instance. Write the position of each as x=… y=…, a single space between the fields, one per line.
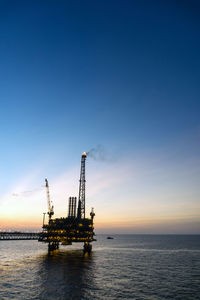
x=110 y=238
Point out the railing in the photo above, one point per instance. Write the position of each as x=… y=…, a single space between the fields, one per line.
x=16 y=235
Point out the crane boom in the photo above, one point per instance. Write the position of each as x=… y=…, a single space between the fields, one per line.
x=50 y=207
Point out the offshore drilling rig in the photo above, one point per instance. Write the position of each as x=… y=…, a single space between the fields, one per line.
x=74 y=228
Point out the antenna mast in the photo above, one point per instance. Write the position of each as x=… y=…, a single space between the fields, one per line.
x=81 y=198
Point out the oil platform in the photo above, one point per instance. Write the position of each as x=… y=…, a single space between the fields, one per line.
x=74 y=228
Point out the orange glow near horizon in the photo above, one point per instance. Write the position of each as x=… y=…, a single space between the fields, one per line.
x=130 y=225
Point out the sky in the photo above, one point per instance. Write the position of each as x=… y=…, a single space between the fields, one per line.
x=119 y=76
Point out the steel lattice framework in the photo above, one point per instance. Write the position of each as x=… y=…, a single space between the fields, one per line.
x=81 y=198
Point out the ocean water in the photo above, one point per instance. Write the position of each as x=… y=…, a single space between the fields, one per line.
x=127 y=267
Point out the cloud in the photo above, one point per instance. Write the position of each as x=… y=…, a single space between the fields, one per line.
x=20 y=199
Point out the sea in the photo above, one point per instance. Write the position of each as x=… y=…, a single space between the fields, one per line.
x=126 y=267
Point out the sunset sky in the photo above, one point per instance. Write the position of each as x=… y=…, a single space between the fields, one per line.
x=118 y=76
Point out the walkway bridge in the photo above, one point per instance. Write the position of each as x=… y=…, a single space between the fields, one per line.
x=17 y=235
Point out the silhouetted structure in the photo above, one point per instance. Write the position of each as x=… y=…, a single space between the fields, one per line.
x=74 y=228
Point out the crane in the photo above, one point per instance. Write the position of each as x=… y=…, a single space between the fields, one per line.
x=50 y=206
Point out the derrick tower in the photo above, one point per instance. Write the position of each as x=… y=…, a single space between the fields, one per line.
x=81 y=197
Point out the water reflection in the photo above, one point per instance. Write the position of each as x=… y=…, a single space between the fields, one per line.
x=65 y=275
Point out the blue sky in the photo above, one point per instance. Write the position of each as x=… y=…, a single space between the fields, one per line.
x=121 y=74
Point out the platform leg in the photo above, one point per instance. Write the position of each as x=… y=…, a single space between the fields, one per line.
x=87 y=248
x=53 y=246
